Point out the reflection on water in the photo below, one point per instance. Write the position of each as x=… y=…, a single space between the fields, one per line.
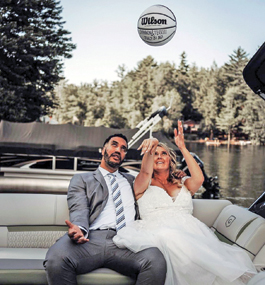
x=240 y=170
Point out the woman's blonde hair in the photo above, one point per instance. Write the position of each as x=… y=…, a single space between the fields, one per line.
x=173 y=171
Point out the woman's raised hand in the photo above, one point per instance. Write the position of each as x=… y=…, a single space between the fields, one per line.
x=148 y=145
x=179 y=136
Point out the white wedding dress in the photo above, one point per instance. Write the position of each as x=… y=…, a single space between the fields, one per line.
x=193 y=253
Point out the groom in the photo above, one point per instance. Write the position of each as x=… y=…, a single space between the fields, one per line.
x=93 y=223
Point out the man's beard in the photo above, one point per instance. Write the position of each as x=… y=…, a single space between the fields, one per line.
x=112 y=164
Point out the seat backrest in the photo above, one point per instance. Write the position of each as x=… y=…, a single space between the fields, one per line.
x=238 y=226
x=32 y=220
x=207 y=210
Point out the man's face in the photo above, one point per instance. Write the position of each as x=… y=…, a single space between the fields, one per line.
x=114 y=152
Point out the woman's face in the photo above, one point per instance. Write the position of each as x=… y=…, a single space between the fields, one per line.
x=161 y=159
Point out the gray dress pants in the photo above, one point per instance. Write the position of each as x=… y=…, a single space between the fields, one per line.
x=66 y=259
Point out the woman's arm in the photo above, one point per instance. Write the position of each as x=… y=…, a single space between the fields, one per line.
x=194 y=183
x=142 y=180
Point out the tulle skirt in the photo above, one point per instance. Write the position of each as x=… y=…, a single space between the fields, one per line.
x=194 y=255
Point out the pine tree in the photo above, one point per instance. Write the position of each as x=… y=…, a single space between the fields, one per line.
x=143 y=88
x=170 y=121
x=234 y=68
x=183 y=66
x=209 y=97
x=233 y=72
x=236 y=92
x=32 y=45
x=228 y=119
x=253 y=118
x=183 y=86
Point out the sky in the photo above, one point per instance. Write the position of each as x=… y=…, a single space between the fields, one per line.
x=105 y=32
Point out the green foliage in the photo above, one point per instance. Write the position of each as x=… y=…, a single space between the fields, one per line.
x=234 y=68
x=230 y=117
x=209 y=98
x=217 y=97
x=253 y=118
x=33 y=43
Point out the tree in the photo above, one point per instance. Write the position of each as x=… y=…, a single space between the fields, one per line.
x=164 y=78
x=144 y=85
x=208 y=98
x=234 y=68
x=254 y=118
x=82 y=105
x=66 y=110
x=228 y=119
x=32 y=46
x=183 y=66
x=236 y=93
x=169 y=122
x=183 y=87
x=233 y=71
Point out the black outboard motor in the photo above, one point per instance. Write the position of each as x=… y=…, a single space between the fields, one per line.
x=210 y=184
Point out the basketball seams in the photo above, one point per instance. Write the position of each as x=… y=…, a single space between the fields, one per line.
x=159 y=28
x=166 y=9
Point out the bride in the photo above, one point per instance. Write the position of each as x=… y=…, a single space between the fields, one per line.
x=193 y=253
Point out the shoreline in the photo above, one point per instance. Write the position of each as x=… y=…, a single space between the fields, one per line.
x=220 y=142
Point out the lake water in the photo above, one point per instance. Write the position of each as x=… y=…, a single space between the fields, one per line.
x=240 y=170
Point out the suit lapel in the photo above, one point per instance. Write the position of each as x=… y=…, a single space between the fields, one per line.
x=99 y=177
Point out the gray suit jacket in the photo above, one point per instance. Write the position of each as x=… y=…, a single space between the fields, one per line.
x=87 y=196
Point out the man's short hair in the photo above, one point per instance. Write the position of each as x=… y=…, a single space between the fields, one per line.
x=115 y=135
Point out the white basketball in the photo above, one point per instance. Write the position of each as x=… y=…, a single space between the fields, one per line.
x=157 y=25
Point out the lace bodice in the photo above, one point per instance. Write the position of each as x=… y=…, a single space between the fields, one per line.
x=156 y=201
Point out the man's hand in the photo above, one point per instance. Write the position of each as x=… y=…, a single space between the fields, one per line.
x=75 y=233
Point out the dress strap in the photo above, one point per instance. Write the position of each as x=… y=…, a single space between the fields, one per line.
x=183 y=179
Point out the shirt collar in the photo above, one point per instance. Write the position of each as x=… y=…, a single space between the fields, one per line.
x=105 y=172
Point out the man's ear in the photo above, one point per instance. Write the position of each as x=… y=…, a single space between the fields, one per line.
x=103 y=150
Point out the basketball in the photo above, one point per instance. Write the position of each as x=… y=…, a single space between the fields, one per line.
x=157 y=25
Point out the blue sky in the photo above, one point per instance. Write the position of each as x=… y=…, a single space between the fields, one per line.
x=106 y=36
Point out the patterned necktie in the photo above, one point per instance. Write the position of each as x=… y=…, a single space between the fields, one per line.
x=116 y=194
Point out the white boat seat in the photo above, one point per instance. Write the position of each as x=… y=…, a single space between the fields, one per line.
x=238 y=226
x=30 y=223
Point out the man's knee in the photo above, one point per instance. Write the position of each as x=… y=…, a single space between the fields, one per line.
x=155 y=262
x=157 y=259
x=60 y=270
x=153 y=268
x=57 y=260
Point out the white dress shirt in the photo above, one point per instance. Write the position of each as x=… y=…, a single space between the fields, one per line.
x=107 y=218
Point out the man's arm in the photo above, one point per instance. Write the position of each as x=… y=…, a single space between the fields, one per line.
x=78 y=209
